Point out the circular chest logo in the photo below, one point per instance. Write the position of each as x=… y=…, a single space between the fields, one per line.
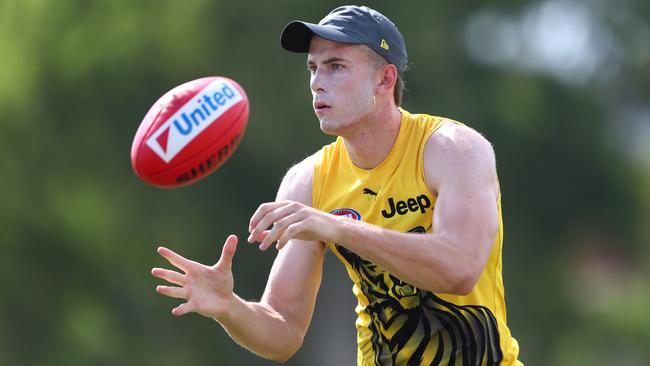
x=347 y=212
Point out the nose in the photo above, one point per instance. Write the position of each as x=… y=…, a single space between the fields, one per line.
x=316 y=82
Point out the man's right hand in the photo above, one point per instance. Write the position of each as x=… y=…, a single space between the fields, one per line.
x=207 y=290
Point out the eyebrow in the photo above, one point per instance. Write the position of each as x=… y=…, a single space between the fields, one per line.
x=328 y=61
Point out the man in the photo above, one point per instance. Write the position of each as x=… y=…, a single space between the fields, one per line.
x=409 y=203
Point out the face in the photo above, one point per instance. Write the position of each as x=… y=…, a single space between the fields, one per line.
x=342 y=82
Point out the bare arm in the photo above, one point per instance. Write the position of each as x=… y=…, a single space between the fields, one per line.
x=460 y=168
x=274 y=327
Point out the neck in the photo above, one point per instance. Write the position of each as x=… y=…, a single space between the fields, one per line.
x=369 y=144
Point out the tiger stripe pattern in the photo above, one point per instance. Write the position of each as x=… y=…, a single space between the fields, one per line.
x=415 y=327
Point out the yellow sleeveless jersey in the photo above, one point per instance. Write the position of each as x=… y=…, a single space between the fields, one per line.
x=399 y=324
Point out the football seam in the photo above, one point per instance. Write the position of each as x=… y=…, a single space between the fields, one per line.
x=143 y=144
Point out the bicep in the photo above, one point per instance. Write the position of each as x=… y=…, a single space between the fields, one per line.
x=468 y=214
x=462 y=171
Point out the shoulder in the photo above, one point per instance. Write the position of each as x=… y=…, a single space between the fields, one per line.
x=297 y=182
x=456 y=150
x=458 y=140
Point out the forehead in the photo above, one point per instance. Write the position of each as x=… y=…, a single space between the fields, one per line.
x=320 y=49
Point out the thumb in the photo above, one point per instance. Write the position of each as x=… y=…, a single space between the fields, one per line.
x=227 y=252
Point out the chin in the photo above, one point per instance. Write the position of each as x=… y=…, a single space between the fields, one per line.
x=332 y=128
x=328 y=129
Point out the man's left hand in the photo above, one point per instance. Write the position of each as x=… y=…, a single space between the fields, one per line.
x=291 y=220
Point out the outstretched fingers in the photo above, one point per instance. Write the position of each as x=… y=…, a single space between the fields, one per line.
x=169 y=276
x=175 y=259
x=227 y=253
x=172 y=291
x=205 y=289
x=182 y=309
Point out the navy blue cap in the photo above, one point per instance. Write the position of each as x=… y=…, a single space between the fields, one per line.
x=354 y=25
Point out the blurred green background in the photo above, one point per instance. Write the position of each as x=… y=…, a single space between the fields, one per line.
x=561 y=88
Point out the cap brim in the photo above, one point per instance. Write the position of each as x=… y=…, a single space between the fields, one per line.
x=296 y=36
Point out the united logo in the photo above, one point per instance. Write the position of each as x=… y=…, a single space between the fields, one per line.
x=192 y=118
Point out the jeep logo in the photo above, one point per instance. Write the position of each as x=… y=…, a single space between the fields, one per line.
x=421 y=203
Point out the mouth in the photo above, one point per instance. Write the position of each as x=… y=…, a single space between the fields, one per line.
x=321 y=107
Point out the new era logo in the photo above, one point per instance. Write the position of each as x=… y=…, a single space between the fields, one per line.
x=384 y=44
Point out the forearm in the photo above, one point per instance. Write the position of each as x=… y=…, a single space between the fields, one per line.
x=260 y=329
x=428 y=261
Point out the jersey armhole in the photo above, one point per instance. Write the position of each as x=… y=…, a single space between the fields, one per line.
x=425 y=139
x=317 y=178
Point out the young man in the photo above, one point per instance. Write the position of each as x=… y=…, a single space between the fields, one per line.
x=409 y=203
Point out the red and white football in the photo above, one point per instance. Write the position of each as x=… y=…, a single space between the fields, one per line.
x=189 y=132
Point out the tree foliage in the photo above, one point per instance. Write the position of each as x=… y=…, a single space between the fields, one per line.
x=79 y=231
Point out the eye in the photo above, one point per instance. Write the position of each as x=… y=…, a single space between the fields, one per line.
x=337 y=67
x=311 y=68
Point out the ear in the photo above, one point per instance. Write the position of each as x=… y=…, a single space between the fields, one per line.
x=388 y=78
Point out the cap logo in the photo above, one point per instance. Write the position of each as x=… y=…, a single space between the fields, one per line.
x=384 y=44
